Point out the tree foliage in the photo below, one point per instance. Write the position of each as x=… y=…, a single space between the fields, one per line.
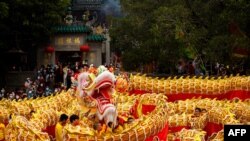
x=29 y=22
x=3 y=9
x=163 y=30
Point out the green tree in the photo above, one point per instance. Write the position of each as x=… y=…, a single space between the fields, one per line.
x=30 y=22
x=153 y=34
x=164 y=31
x=27 y=24
x=215 y=18
x=3 y=9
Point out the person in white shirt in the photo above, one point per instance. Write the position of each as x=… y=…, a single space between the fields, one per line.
x=2 y=93
x=12 y=95
x=17 y=97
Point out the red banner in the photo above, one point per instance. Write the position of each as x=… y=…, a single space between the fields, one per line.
x=161 y=136
x=211 y=128
x=240 y=94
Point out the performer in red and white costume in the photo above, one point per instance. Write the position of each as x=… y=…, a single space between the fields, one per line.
x=100 y=89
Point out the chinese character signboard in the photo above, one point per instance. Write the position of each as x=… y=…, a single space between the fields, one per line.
x=68 y=40
x=67 y=43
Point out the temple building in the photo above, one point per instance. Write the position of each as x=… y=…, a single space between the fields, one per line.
x=82 y=37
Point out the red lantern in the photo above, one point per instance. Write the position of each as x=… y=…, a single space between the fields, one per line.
x=84 y=48
x=49 y=49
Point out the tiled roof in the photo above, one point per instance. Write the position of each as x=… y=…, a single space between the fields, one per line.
x=95 y=38
x=72 y=29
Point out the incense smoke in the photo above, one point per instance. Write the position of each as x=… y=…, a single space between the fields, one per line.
x=112 y=8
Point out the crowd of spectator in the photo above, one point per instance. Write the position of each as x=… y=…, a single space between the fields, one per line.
x=48 y=80
x=198 y=67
